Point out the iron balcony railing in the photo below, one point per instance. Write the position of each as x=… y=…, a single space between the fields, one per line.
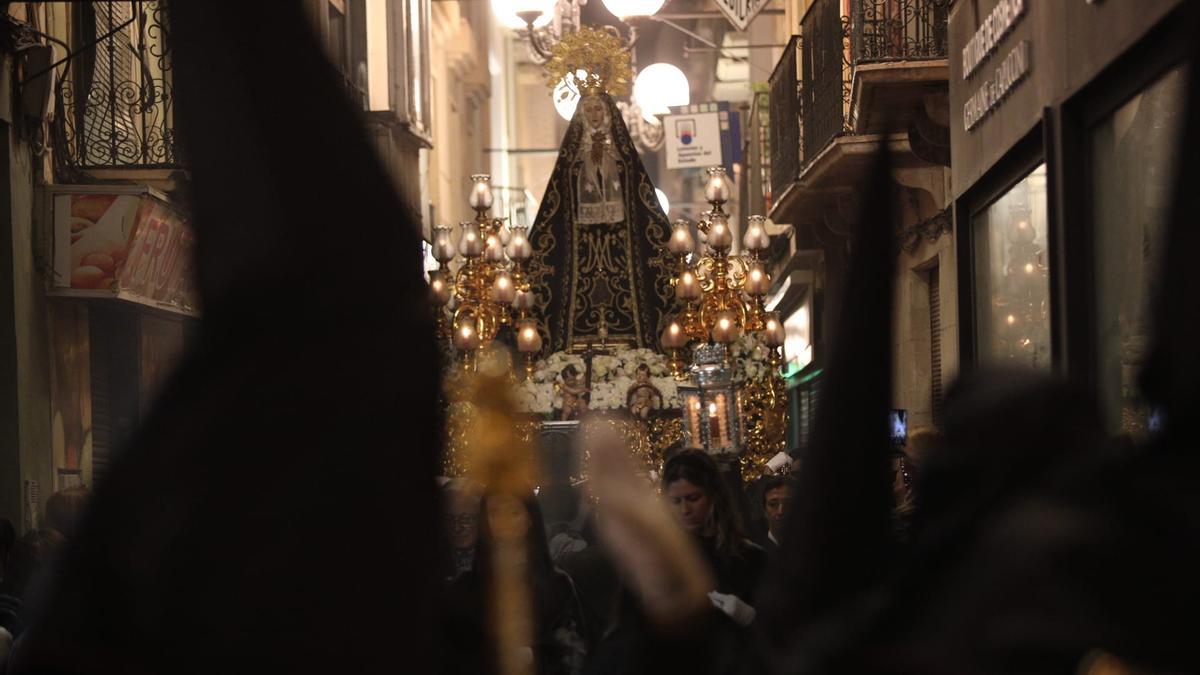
x=784 y=119
x=757 y=142
x=824 y=76
x=899 y=30
x=832 y=45
x=116 y=98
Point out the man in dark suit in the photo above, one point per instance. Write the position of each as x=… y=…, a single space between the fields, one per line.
x=777 y=492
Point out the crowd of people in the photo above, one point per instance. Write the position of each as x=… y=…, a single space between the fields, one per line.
x=22 y=557
x=265 y=517
x=586 y=617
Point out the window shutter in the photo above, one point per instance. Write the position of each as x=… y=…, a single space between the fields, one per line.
x=935 y=344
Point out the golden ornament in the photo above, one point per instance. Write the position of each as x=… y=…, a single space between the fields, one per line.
x=600 y=53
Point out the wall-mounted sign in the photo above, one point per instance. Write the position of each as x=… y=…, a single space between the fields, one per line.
x=702 y=135
x=1011 y=70
x=740 y=12
x=123 y=242
x=1015 y=66
x=991 y=31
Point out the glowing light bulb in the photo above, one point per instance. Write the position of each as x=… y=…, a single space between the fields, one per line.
x=1010 y=319
x=1028 y=268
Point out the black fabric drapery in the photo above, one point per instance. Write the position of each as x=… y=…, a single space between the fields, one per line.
x=618 y=268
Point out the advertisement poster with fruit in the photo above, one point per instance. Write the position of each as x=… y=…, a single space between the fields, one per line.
x=98 y=228
x=133 y=245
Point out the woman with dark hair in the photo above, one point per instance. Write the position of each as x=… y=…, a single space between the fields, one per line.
x=560 y=638
x=703 y=504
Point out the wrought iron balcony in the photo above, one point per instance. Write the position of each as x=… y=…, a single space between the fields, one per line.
x=898 y=30
x=820 y=97
x=784 y=121
x=115 y=100
x=847 y=83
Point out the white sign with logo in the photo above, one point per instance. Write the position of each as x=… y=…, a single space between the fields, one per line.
x=740 y=12
x=693 y=140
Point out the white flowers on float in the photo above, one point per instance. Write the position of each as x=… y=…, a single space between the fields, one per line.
x=613 y=375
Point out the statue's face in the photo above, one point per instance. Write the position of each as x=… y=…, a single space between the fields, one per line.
x=593 y=112
x=643 y=376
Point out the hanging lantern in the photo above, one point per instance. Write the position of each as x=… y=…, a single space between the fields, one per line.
x=712 y=418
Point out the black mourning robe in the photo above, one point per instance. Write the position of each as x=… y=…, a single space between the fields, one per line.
x=277 y=511
x=600 y=238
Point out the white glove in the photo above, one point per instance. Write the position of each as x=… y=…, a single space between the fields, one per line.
x=732 y=605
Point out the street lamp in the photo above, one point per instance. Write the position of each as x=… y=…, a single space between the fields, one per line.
x=633 y=9
x=658 y=87
x=516 y=14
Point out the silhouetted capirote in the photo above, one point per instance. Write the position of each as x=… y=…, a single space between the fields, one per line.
x=277 y=510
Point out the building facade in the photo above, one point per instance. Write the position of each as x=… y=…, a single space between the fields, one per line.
x=96 y=300
x=1065 y=119
x=859 y=76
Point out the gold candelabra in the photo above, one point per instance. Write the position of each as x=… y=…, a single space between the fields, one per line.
x=722 y=294
x=490 y=288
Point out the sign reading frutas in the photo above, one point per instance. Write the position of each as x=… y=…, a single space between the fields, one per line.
x=126 y=243
x=740 y=12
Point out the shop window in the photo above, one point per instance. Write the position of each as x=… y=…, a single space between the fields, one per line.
x=1132 y=175
x=1012 y=282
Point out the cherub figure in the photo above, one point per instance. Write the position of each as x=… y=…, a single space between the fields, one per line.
x=642 y=396
x=575 y=393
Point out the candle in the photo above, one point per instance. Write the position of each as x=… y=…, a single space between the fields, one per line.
x=716 y=188
x=758 y=282
x=503 y=290
x=756 y=237
x=470 y=243
x=725 y=328
x=494 y=251
x=714 y=426
x=466 y=338
x=528 y=338
x=519 y=248
x=443 y=247
x=774 y=333
x=524 y=300
x=722 y=424
x=681 y=242
x=480 y=198
x=439 y=289
x=694 y=421
x=720 y=237
x=673 y=336
x=688 y=286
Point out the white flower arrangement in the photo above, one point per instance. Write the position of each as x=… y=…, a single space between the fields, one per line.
x=612 y=376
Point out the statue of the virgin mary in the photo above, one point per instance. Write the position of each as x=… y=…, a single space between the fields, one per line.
x=600 y=263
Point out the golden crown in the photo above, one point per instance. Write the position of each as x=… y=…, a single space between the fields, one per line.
x=592 y=60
